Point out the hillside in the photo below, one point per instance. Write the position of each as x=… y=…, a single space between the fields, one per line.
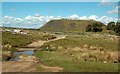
x=67 y=25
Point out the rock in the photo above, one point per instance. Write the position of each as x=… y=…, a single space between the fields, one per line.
x=7 y=47
x=112 y=39
x=8 y=53
x=76 y=49
x=28 y=58
x=105 y=62
x=85 y=46
x=92 y=48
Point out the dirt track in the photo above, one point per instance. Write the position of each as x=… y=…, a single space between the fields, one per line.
x=41 y=42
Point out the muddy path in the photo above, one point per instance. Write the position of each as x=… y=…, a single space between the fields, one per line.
x=24 y=65
x=41 y=42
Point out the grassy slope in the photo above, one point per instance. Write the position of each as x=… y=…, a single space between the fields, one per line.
x=64 y=59
x=72 y=41
x=67 y=25
x=15 y=40
x=70 y=64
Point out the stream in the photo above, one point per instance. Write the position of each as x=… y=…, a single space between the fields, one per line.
x=25 y=52
x=30 y=51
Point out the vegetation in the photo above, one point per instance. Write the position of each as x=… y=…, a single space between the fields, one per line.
x=117 y=28
x=87 y=47
x=17 y=40
x=68 y=25
x=71 y=64
x=73 y=41
x=95 y=27
x=48 y=37
x=83 y=53
x=111 y=26
x=114 y=26
x=10 y=41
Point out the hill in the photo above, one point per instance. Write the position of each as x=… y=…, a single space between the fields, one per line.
x=68 y=25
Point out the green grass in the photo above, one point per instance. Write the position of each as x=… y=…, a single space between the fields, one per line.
x=18 y=40
x=70 y=64
x=15 y=40
x=72 y=41
x=72 y=61
x=10 y=41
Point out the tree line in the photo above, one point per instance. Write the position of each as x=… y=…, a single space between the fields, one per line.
x=98 y=27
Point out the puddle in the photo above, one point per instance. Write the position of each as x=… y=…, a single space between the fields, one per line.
x=26 y=52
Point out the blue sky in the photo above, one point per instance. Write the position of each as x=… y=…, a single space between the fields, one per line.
x=22 y=9
x=60 y=0
x=54 y=10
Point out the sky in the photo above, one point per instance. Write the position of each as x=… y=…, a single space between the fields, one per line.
x=60 y=0
x=36 y=14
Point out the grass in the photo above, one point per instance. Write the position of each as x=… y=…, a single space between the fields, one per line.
x=18 y=40
x=60 y=53
x=67 y=25
x=72 y=41
x=70 y=64
x=10 y=41
x=15 y=40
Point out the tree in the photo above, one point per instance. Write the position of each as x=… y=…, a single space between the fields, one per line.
x=111 y=26
x=88 y=28
x=117 y=28
x=95 y=27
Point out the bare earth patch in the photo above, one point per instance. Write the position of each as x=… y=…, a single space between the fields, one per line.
x=52 y=69
x=18 y=66
x=41 y=42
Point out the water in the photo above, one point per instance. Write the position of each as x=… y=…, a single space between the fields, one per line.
x=26 y=52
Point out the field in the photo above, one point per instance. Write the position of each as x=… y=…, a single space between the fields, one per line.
x=72 y=64
x=81 y=53
x=77 y=52
x=12 y=41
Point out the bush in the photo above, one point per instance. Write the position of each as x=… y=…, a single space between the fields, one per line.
x=111 y=26
x=48 y=37
x=88 y=28
x=96 y=27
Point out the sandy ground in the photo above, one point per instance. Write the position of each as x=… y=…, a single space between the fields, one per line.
x=18 y=66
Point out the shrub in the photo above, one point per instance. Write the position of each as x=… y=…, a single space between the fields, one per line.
x=95 y=27
x=48 y=37
x=110 y=26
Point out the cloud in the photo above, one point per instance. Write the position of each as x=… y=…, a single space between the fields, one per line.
x=115 y=10
x=105 y=3
x=105 y=19
x=74 y=16
x=37 y=15
x=29 y=21
x=36 y=21
x=83 y=18
x=93 y=17
x=8 y=17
